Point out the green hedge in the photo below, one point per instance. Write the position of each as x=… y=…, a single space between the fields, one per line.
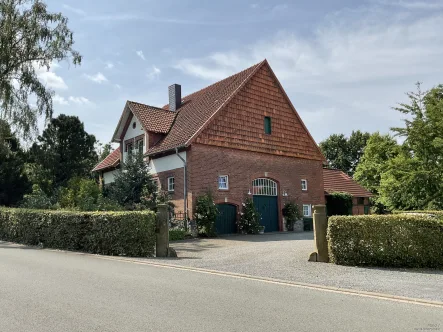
x=386 y=240
x=107 y=233
x=437 y=213
x=176 y=234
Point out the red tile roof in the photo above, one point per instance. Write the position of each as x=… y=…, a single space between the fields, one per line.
x=338 y=181
x=111 y=161
x=199 y=107
x=152 y=118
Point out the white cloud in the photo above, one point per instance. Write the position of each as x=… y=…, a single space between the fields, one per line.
x=357 y=65
x=426 y=5
x=97 y=78
x=60 y=100
x=254 y=5
x=49 y=77
x=80 y=100
x=154 y=73
x=141 y=55
x=75 y=10
x=109 y=65
x=118 y=86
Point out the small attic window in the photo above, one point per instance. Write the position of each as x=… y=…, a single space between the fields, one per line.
x=134 y=125
x=268 y=129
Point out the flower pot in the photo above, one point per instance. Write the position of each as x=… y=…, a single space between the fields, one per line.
x=299 y=226
x=261 y=230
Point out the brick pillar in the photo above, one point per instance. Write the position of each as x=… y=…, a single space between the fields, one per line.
x=320 y=230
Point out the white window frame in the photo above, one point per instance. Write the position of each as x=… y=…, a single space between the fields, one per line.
x=264 y=187
x=308 y=206
x=227 y=182
x=304 y=184
x=171 y=183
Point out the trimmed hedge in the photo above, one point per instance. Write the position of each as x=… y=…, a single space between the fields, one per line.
x=176 y=234
x=386 y=240
x=106 y=233
x=437 y=213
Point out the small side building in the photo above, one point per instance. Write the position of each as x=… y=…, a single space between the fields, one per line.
x=337 y=181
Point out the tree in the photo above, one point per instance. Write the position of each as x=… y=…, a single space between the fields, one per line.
x=63 y=151
x=13 y=180
x=31 y=38
x=103 y=150
x=414 y=179
x=134 y=187
x=344 y=153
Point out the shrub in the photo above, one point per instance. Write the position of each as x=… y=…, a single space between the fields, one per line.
x=37 y=199
x=438 y=213
x=107 y=233
x=386 y=240
x=80 y=194
x=292 y=213
x=249 y=218
x=206 y=213
x=177 y=234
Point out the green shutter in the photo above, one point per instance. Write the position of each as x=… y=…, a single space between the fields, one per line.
x=267 y=125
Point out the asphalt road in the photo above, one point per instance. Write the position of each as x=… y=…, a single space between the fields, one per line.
x=44 y=290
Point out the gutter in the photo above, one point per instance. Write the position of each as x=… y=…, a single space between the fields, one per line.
x=185 y=188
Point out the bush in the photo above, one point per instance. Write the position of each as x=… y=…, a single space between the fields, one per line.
x=339 y=204
x=437 y=213
x=206 y=213
x=80 y=194
x=37 y=199
x=176 y=234
x=386 y=240
x=249 y=218
x=292 y=213
x=106 y=233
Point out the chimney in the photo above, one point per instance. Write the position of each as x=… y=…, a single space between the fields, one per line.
x=175 y=97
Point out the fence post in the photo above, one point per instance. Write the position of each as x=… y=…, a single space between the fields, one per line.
x=162 y=231
x=320 y=230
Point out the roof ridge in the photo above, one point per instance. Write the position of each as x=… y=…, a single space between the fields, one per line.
x=219 y=81
x=155 y=107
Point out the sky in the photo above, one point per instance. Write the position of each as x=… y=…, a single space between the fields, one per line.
x=344 y=64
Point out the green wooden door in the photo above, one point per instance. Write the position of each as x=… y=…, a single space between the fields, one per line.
x=267 y=206
x=227 y=219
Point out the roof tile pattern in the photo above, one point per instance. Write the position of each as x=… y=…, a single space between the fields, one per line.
x=153 y=119
x=198 y=108
x=111 y=161
x=240 y=124
x=338 y=181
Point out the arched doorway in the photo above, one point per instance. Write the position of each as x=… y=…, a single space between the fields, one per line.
x=265 y=196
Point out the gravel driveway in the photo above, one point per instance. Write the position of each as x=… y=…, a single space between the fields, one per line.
x=285 y=256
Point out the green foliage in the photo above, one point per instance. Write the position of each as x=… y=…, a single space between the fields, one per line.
x=339 y=204
x=106 y=233
x=205 y=214
x=134 y=187
x=80 y=194
x=292 y=213
x=414 y=178
x=438 y=213
x=13 y=181
x=249 y=218
x=387 y=240
x=177 y=234
x=31 y=39
x=344 y=153
x=37 y=199
x=103 y=150
x=64 y=150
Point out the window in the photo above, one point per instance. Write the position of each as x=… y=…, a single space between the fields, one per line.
x=134 y=125
x=171 y=184
x=304 y=184
x=306 y=210
x=223 y=183
x=264 y=187
x=129 y=147
x=268 y=125
x=139 y=144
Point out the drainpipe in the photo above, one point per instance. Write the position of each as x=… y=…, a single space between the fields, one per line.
x=185 y=189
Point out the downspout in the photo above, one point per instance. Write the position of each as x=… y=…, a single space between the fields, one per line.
x=185 y=189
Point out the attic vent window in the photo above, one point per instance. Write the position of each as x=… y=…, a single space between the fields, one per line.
x=134 y=125
x=268 y=129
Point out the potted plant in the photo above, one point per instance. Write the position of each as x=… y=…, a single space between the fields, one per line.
x=294 y=219
x=261 y=230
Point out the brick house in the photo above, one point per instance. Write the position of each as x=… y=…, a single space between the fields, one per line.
x=337 y=181
x=240 y=137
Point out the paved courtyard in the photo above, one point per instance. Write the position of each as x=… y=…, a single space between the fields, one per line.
x=284 y=256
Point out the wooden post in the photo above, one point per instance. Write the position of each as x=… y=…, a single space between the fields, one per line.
x=320 y=230
x=162 y=231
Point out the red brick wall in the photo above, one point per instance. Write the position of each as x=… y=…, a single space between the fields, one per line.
x=177 y=194
x=359 y=209
x=206 y=163
x=240 y=124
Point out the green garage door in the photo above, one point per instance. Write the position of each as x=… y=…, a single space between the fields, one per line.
x=267 y=206
x=227 y=219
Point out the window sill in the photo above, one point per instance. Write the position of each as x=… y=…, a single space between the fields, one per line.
x=221 y=189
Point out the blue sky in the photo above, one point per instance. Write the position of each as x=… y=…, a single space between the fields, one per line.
x=344 y=64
